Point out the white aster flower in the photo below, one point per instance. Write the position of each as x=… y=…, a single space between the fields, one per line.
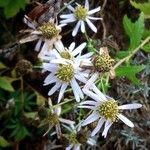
x=71 y=53
x=47 y=33
x=105 y=110
x=76 y=137
x=53 y=118
x=80 y=14
x=63 y=73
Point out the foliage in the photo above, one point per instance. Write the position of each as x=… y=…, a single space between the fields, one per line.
x=144 y=7
x=134 y=30
x=11 y=8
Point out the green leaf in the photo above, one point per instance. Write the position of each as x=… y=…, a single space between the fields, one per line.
x=144 y=7
x=134 y=30
x=6 y=84
x=12 y=7
x=4 y=3
x=129 y=72
x=146 y=48
x=122 y=54
x=3 y=142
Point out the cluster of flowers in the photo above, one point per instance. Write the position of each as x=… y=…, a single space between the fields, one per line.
x=70 y=67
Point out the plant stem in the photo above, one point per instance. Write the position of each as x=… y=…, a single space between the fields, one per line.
x=62 y=103
x=132 y=53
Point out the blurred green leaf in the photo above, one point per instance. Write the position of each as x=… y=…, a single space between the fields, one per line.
x=146 y=48
x=40 y=100
x=122 y=54
x=134 y=30
x=129 y=72
x=4 y=3
x=2 y=66
x=144 y=7
x=3 y=142
x=6 y=84
x=11 y=8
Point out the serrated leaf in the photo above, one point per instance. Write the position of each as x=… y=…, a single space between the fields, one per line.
x=6 y=84
x=134 y=30
x=144 y=7
x=3 y=142
x=146 y=48
x=129 y=72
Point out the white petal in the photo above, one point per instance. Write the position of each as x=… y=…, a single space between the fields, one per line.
x=77 y=97
x=77 y=87
x=59 y=46
x=91 y=118
x=93 y=11
x=91 y=141
x=54 y=88
x=98 y=127
x=91 y=94
x=76 y=147
x=81 y=78
x=87 y=55
x=75 y=30
x=38 y=45
x=66 y=121
x=91 y=81
x=49 y=79
x=69 y=147
x=91 y=25
x=99 y=93
x=72 y=46
x=88 y=107
x=69 y=7
x=125 y=120
x=79 y=49
x=62 y=90
x=106 y=128
x=130 y=106
x=94 y=18
x=88 y=102
x=49 y=67
x=69 y=20
x=67 y=16
x=82 y=27
x=87 y=4
x=57 y=110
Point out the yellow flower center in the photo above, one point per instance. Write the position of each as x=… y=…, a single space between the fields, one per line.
x=80 y=13
x=65 y=55
x=103 y=63
x=72 y=138
x=52 y=119
x=49 y=30
x=65 y=72
x=109 y=110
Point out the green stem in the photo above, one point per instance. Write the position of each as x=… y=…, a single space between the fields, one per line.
x=62 y=103
x=132 y=53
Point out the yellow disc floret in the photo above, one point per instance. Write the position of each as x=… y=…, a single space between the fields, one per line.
x=65 y=54
x=65 y=72
x=103 y=63
x=49 y=30
x=80 y=13
x=109 y=110
x=52 y=119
